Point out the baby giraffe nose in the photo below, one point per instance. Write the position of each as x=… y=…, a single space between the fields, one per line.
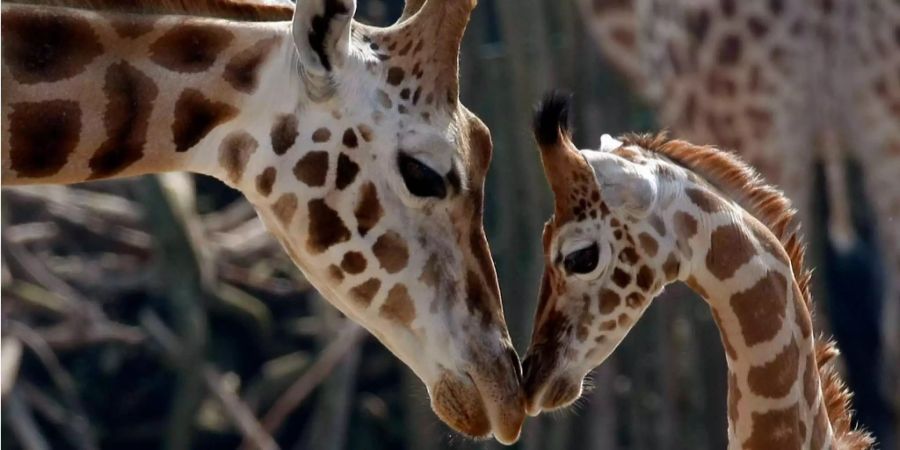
x=533 y=380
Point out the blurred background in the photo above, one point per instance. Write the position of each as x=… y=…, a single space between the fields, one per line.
x=157 y=313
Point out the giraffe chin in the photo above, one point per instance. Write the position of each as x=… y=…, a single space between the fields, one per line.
x=459 y=402
x=559 y=393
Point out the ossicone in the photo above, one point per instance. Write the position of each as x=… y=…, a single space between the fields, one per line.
x=551 y=119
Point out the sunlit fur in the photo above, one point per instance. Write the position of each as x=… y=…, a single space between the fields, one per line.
x=742 y=184
x=718 y=193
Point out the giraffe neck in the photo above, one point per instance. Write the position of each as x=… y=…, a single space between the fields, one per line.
x=775 y=396
x=92 y=94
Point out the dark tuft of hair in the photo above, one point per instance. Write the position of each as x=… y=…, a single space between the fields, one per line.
x=551 y=117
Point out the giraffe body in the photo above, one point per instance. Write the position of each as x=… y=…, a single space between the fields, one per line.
x=349 y=140
x=640 y=214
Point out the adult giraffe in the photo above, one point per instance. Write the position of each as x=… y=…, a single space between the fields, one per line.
x=349 y=140
x=648 y=211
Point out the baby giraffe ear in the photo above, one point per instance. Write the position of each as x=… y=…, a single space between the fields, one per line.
x=625 y=187
x=321 y=30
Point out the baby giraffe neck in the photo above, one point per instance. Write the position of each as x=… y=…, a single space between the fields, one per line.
x=94 y=94
x=742 y=270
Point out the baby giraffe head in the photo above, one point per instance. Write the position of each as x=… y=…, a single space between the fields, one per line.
x=605 y=257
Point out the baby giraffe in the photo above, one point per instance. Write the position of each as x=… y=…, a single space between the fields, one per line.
x=644 y=212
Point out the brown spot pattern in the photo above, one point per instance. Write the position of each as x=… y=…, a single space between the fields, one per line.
x=284 y=133
x=321 y=135
x=353 y=262
x=391 y=251
x=284 y=208
x=368 y=211
x=346 y=172
x=775 y=378
x=609 y=300
x=685 y=225
x=366 y=132
x=657 y=223
x=395 y=76
x=775 y=429
x=190 y=48
x=312 y=168
x=431 y=271
x=729 y=249
x=398 y=307
x=671 y=267
x=634 y=300
x=196 y=116
x=704 y=200
x=621 y=278
x=649 y=244
x=265 y=180
x=40 y=46
x=628 y=255
x=349 y=140
x=325 y=227
x=645 y=278
x=234 y=154
x=242 y=72
x=761 y=308
x=335 y=273
x=130 y=95
x=365 y=292
x=42 y=136
x=729 y=52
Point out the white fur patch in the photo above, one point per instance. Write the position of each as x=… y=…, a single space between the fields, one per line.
x=609 y=143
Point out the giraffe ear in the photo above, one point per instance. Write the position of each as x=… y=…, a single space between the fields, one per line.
x=625 y=187
x=321 y=30
x=609 y=143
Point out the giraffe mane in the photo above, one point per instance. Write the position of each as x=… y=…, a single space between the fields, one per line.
x=241 y=10
x=741 y=183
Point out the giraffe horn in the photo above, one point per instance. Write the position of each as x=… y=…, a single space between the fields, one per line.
x=440 y=25
x=558 y=154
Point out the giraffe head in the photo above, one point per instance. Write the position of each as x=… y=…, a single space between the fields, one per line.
x=381 y=202
x=605 y=257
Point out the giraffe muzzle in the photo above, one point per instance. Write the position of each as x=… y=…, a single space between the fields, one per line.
x=486 y=400
x=545 y=387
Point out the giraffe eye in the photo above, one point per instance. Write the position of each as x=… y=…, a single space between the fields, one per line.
x=582 y=261
x=421 y=180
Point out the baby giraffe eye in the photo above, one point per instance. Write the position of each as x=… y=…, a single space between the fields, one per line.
x=421 y=180
x=582 y=261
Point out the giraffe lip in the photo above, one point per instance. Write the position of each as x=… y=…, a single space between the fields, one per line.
x=464 y=404
x=507 y=415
